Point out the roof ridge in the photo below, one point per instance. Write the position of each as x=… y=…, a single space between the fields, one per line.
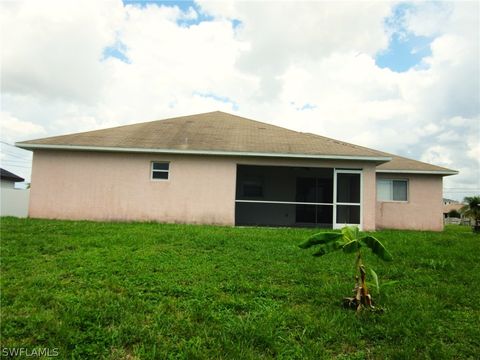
x=213 y=112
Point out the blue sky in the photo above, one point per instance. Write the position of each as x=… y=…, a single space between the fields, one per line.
x=223 y=99
x=118 y=49
x=405 y=50
x=184 y=5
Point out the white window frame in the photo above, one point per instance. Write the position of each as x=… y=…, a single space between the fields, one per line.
x=152 y=170
x=391 y=181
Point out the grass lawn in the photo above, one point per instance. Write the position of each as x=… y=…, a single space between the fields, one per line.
x=146 y=290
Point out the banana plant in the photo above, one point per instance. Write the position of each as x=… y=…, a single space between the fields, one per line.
x=380 y=287
x=350 y=240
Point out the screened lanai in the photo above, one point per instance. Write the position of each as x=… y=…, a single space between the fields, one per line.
x=297 y=196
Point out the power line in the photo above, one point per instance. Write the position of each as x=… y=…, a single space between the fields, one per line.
x=19 y=166
x=13 y=154
x=16 y=159
x=6 y=143
x=15 y=162
x=459 y=192
x=461 y=189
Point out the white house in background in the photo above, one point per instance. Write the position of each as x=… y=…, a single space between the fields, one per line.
x=13 y=202
x=8 y=179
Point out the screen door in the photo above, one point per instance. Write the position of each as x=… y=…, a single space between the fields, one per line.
x=348 y=198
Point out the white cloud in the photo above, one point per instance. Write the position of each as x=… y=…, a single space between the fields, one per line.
x=438 y=155
x=52 y=49
x=428 y=18
x=474 y=147
x=284 y=33
x=13 y=129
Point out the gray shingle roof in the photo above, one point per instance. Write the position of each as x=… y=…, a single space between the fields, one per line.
x=219 y=132
x=7 y=175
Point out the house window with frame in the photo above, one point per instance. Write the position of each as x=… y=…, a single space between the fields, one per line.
x=160 y=170
x=392 y=190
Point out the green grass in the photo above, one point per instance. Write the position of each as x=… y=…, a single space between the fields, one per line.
x=147 y=290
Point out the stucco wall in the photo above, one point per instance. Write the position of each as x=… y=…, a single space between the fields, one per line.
x=117 y=186
x=422 y=211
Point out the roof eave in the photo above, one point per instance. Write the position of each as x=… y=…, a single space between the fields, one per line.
x=426 y=172
x=31 y=146
x=10 y=178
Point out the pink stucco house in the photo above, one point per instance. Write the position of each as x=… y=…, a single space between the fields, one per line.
x=218 y=168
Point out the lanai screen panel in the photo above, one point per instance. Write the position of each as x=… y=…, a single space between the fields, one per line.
x=284 y=196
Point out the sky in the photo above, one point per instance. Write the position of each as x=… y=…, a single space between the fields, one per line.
x=401 y=77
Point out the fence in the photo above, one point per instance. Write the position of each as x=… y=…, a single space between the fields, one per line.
x=456 y=221
x=14 y=202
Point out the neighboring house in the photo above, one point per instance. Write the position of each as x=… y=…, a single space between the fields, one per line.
x=13 y=202
x=218 y=168
x=449 y=201
x=8 y=179
x=449 y=205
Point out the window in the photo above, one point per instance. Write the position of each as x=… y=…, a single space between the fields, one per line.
x=160 y=170
x=392 y=190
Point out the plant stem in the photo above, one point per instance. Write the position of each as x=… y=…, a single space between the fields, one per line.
x=362 y=296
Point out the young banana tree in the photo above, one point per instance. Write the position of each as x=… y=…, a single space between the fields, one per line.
x=350 y=240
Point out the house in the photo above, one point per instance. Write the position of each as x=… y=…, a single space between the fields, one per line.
x=8 y=179
x=449 y=205
x=218 y=168
x=449 y=201
x=13 y=202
